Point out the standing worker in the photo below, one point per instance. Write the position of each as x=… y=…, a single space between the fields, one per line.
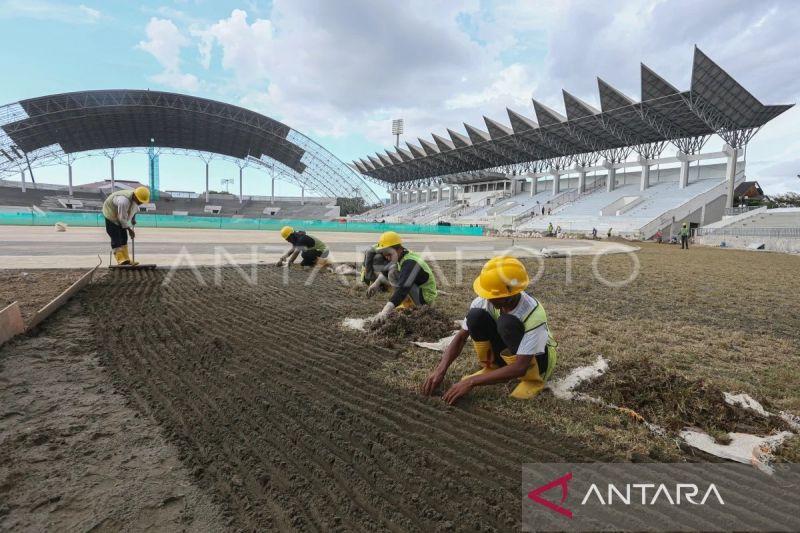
x=119 y=210
x=509 y=331
x=685 y=236
x=313 y=251
x=414 y=282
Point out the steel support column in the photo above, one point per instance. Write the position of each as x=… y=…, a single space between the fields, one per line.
x=730 y=172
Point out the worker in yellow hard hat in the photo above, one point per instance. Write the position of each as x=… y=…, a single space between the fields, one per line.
x=119 y=210
x=509 y=331
x=412 y=278
x=312 y=250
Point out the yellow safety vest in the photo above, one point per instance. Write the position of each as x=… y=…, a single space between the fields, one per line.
x=110 y=210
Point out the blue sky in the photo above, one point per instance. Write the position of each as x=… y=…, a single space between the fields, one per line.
x=340 y=71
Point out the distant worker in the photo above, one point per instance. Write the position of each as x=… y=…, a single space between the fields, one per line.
x=659 y=237
x=509 y=332
x=119 y=210
x=312 y=251
x=609 y=233
x=373 y=270
x=558 y=230
x=412 y=279
x=550 y=229
x=594 y=234
x=685 y=236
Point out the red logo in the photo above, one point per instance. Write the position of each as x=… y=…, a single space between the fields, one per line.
x=563 y=482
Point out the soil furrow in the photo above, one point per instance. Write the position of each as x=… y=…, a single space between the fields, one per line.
x=272 y=405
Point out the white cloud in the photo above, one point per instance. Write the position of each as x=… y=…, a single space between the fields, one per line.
x=92 y=14
x=165 y=42
x=349 y=67
x=48 y=10
x=246 y=48
x=177 y=80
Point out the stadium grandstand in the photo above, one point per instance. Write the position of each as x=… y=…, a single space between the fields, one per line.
x=589 y=169
x=59 y=129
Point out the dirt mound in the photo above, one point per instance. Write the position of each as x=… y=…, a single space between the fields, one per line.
x=423 y=323
x=673 y=401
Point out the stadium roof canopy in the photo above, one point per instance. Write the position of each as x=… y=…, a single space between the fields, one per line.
x=715 y=104
x=53 y=129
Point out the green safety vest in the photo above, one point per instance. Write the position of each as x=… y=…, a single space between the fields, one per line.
x=429 y=287
x=536 y=319
x=110 y=210
x=685 y=231
x=318 y=244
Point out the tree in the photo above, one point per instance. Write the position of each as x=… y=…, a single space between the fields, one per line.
x=352 y=206
x=789 y=199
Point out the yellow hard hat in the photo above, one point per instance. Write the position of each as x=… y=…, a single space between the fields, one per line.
x=501 y=277
x=286 y=231
x=142 y=194
x=389 y=239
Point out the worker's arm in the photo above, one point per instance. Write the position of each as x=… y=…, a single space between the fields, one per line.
x=291 y=255
x=515 y=370
x=450 y=354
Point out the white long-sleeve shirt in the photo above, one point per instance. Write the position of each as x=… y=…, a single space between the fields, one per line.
x=126 y=210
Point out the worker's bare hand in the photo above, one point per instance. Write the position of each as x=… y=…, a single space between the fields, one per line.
x=372 y=290
x=433 y=381
x=458 y=390
x=131 y=233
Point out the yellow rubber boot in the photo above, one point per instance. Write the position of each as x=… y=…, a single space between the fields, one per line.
x=483 y=350
x=530 y=384
x=128 y=260
x=119 y=255
x=406 y=304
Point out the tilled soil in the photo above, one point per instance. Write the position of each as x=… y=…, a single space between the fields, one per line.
x=274 y=412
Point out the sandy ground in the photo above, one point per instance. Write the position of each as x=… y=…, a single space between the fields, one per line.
x=34 y=288
x=31 y=247
x=75 y=455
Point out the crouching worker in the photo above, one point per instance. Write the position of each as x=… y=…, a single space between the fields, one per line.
x=119 y=210
x=374 y=270
x=508 y=328
x=312 y=251
x=413 y=280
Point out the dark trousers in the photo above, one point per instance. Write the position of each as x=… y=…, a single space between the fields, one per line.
x=310 y=256
x=505 y=333
x=684 y=242
x=379 y=266
x=118 y=234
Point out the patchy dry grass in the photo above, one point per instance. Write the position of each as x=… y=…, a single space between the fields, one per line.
x=727 y=317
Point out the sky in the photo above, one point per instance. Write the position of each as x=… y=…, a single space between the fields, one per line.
x=340 y=71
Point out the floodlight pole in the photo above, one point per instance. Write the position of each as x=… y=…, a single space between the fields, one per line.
x=112 y=173
x=69 y=186
x=207 y=181
x=397 y=129
x=22 y=181
x=241 y=169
